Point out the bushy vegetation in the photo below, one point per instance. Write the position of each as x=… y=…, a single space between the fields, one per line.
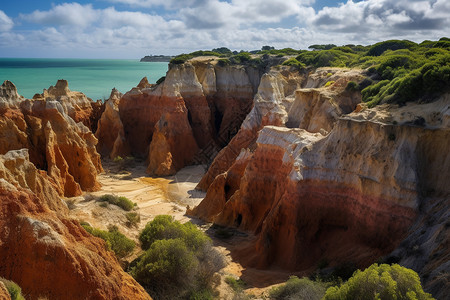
x=236 y=284
x=120 y=201
x=114 y=239
x=294 y=63
x=299 y=288
x=179 y=261
x=133 y=218
x=380 y=282
x=13 y=289
x=399 y=70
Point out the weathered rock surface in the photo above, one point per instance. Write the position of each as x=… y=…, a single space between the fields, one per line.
x=345 y=187
x=46 y=253
x=187 y=118
x=281 y=101
x=56 y=143
x=75 y=104
x=4 y=294
x=110 y=133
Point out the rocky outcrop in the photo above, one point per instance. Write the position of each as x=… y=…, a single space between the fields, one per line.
x=187 y=118
x=56 y=143
x=347 y=187
x=281 y=101
x=110 y=133
x=45 y=252
x=75 y=104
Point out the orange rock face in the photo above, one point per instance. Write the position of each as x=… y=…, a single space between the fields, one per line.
x=56 y=143
x=46 y=253
x=341 y=189
x=110 y=133
x=184 y=120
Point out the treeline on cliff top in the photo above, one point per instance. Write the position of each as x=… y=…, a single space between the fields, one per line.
x=398 y=70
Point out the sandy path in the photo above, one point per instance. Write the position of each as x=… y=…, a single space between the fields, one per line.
x=169 y=195
x=153 y=196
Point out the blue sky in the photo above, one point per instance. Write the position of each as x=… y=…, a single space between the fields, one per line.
x=134 y=28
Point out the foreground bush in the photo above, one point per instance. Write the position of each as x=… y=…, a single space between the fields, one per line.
x=122 y=202
x=115 y=240
x=380 y=282
x=296 y=288
x=13 y=289
x=179 y=261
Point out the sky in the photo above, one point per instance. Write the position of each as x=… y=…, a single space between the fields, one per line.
x=135 y=28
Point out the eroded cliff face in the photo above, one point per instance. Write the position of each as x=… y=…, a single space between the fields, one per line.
x=314 y=179
x=45 y=252
x=187 y=118
x=56 y=143
x=281 y=101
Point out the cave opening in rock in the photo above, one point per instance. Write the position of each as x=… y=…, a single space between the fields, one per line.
x=238 y=220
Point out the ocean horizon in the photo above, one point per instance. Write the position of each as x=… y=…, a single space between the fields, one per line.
x=93 y=77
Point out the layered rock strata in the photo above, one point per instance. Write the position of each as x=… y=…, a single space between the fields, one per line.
x=323 y=183
x=57 y=144
x=282 y=101
x=187 y=118
x=45 y=252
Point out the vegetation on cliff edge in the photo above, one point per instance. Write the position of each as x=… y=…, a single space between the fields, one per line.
x=179 y=261
x=398 y=70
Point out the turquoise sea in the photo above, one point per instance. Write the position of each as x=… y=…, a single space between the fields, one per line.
x=93 y=77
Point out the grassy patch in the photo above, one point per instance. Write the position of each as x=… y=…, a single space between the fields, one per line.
x=115 y=240
x=122 y=202
x=13 y=289
x=380 y=282
x=133 y=218
x=236 y=284
x=299 y=288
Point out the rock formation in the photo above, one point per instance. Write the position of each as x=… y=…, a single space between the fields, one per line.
x=314 y=181
x=280 y=101
x=56 y=143
x=75 y=104
x=186 y=119
x=45 y=252
x=110 y=133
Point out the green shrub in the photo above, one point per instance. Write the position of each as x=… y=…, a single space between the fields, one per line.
x=179 y=261
x=322 y=47
x=13 y=289
x=379 y=48
x=293 y=63
x=296 y=288
x=164 y=227
x=180 y=59
x=236 y=284
x=380 y=282
x=114 y=239
x=132 y=218
x=329 y=83
x=352 y=86
x=223 y=62
x=122 y=202
x=241 y=57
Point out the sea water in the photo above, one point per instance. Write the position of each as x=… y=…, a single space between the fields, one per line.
x=93 y=77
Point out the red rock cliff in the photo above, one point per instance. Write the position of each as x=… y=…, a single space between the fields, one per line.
x=45 y=252
x=345 y=187
x=184 y=120
x=56 y=143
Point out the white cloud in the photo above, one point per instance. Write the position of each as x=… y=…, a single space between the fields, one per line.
x=75 y=29
x=5 y=22
x=70 y=14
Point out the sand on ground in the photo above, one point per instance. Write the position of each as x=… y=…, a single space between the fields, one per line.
x=167 y=196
